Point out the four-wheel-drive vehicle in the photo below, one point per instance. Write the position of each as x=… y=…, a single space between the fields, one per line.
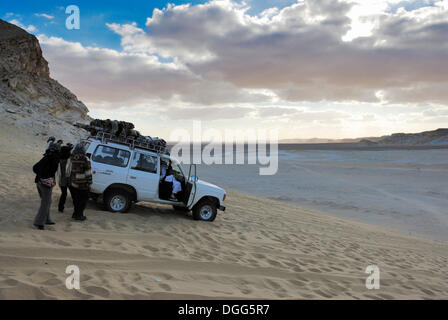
x=126 y=171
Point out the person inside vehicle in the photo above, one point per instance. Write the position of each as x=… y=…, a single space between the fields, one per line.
x=177 y=186
x=163 y=168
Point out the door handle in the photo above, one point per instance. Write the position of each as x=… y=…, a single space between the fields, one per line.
x=132 y=177
x=109 y=171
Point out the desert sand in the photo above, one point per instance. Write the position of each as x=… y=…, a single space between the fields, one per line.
x=258 y=248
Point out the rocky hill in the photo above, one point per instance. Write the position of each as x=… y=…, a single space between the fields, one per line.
x=29 y=98
x=434 y=137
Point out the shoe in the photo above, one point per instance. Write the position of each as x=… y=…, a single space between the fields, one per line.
x=80 y=218
x=39 y=227
x=50 y=222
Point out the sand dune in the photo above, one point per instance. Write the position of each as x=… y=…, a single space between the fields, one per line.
x=258 y=249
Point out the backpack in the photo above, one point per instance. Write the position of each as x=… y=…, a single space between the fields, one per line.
x=38 y=166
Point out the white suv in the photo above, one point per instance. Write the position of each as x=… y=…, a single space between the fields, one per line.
x=123 y=174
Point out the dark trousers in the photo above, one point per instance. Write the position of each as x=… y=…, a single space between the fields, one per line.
x=80 y=198
x=43 y=215
x=62 y=198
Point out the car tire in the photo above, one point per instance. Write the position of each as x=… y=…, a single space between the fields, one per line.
x=117 y=200
x=205 y=210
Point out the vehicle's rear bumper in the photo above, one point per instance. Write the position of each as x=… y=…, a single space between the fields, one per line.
x=222 y=208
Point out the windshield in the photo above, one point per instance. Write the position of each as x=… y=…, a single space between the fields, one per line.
x=175 y=166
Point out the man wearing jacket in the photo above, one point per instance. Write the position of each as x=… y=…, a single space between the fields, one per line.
x=45 y=171
x=61 y=175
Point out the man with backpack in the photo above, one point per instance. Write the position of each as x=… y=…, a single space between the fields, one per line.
x=80 y=178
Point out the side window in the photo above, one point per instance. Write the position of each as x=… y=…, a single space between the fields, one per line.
x=144 y=162
x=176 y=169
x=112 y=156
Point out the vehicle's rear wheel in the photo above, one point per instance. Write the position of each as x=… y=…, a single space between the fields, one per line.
x=205 y=210
x=117 y=200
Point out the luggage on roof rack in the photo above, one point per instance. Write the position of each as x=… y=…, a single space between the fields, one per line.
x=122 y=132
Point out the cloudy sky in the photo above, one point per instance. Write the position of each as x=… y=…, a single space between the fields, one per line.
x=328 y=69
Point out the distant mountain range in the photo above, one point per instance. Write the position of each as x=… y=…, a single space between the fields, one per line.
x=434 y=137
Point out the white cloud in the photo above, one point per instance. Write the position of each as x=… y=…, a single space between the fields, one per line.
x=44 y=15
x=29 y=28
x=108 y=77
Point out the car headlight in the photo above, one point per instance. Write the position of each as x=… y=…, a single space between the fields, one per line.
x=224 y=198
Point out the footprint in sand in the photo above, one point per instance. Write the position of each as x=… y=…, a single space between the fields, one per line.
x=98 y=291
x=165 y=276
x=81 y=295
x=151 y=248
x=297 y=269
x=302 y=279
x=386 y=296
x=8 y=282
x=323 y=294
x=274 y=285
x=274 y=263
x=297 y=283
x=87 y=243
x=57 y=241
x=52 y=282
x=427 y=291
x=85 y=277
x=259 y=256
x=165 y=287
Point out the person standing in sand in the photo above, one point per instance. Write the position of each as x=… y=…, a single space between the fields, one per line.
x=45 y=171
x=61 y=175
x=80 y=178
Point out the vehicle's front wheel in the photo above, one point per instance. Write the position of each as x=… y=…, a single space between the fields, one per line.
x=205 y=210
x=117 y=200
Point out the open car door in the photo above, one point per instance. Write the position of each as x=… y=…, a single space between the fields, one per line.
x=190 y=186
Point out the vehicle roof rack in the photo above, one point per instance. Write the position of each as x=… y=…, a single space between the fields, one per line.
x=146 y=143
